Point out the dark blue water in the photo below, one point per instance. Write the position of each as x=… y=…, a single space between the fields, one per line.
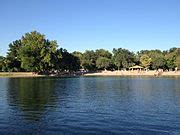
x=90 y=105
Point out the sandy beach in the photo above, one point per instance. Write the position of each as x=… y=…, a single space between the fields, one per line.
x=19 y=74
x=103 y=73
x=133 y=73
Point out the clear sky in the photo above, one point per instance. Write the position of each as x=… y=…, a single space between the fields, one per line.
x=92 y=24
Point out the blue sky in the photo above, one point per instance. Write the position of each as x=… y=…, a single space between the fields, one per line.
x=93 y=24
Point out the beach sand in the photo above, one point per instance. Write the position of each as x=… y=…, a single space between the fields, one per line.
x=19 y=74
x=133 y=73
x=103 y=73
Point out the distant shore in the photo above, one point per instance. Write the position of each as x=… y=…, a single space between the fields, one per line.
x=134 y=73
x=31 y=74
x=102 y=73
x=19 y=74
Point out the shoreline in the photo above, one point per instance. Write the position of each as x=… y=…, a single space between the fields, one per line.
x=19 y=74
x=134 y=73
x=31 y=74
x=103 y=73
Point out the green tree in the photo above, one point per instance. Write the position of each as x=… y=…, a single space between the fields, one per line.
x=157 y=58
x=79 y=55
x=69 y=62
x=158 y=62
x=103 y=53
x=176 y=52
x=170 y=57
x=33 y=52
x=173 y=49
x=89 y=60
x=103 y=63
x=177 y=62
x=13 y=62
x=145 y=60
x=103 y=59
x=37 y=52
x=123 y=58
x=1 y=63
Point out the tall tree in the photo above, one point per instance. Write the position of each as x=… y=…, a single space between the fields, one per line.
x=157 y=58
x=103 y=63
x=103 y=60
x=145 y=60
x=158 y=62
x=103 y=53
x=13 y=62
x=89 y=60
x=69 y=62
x=79 y=55
x=36 y=53
x=1 y=63
x=177 y=62
x=170 y=57
x=123 y=58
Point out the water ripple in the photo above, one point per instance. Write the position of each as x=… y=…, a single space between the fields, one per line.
x=90 y=105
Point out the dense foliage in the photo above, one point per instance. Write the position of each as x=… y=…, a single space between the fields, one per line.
x=33 y=52
x=123 y=58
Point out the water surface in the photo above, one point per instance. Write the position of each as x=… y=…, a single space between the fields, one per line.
x=90 y=105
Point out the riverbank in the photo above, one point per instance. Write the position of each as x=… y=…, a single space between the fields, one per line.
x=31 y=74
x=103 y=73
x=134 y=73
x=19 y=74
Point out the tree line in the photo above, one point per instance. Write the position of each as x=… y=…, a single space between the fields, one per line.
x=34 y=53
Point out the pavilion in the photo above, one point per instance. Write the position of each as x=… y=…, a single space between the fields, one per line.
x=136 y=67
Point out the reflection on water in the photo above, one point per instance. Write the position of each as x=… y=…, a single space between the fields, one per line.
x=90 y=105
x=31 y=96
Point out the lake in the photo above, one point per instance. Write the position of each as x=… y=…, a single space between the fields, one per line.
x=90 y=105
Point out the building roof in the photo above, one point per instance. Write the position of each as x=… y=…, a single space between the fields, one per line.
x=136 y=67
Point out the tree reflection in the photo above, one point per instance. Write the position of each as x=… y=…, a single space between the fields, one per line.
x=31 y=95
